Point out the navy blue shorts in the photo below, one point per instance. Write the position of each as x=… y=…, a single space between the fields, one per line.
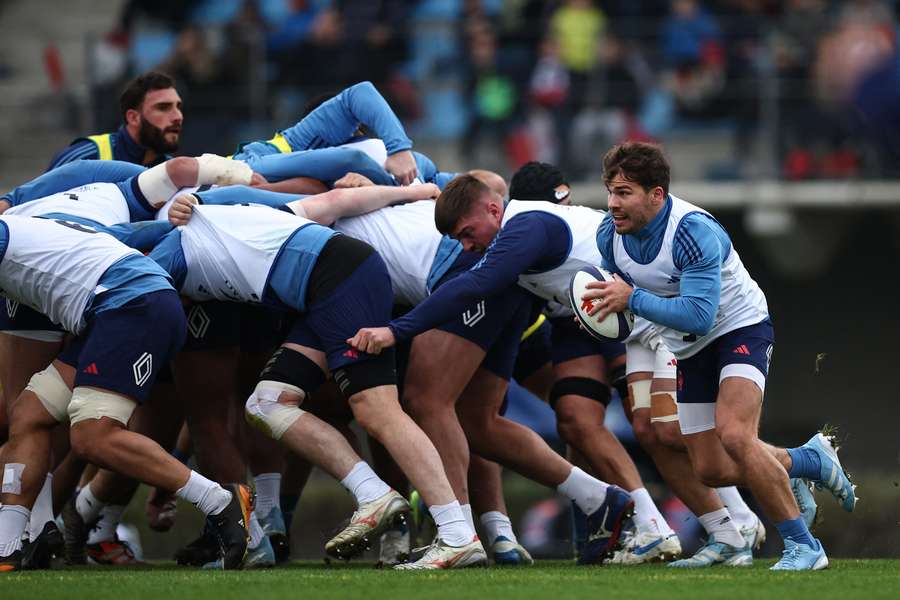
x=18 y=317
x=363 y=299
x=570 y=342
x=262 y=329
x=212 y=325
x=535 y=351
x=123 y=349
x=494 y=324
x=744 y=352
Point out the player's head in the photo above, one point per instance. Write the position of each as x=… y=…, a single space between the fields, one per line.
x=469 y=211
x=637 y=179
x=151 y=110
x=493 y=180
x=539 y=181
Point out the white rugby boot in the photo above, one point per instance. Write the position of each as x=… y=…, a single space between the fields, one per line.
x=366 y=524
x=441 y=556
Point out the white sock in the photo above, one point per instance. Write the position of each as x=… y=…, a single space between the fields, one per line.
x=451 y=524
x=268 y=489
x=722 y=528
x=87 y=505
x=467 y=513
x=646 y=516
x=13 y=521
x=208 y=496
x=42 y=511
x=105 y=529
x=256 y=531
x=364 y=484
x=588 y=493
x=495 y=524
x=737 y=508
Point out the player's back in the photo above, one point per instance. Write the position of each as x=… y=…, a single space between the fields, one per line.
x=102 y=203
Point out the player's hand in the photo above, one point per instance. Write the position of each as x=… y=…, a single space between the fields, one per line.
x=4 y=206
x=613 y=296
x=181 y=210
x=402 y=166
x=353 y=180
x=372 y=339
x=426 y=191
x=257 y=179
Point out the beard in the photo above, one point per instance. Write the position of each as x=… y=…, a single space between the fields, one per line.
x=152 y=137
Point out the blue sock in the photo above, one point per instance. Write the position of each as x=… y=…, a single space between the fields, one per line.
x=804 y=463
x=288 y=502
x=796 y=531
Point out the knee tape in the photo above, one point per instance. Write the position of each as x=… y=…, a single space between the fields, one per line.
x=52 y=391
x=218 y=170
x=639 y=394
x=265 y=412
x=89 y=403
x=663 y=407
x=580 y=386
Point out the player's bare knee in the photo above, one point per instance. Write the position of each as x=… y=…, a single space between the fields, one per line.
x=710 y=472
x=736 y=440
x=643 y=430
x=668 y=434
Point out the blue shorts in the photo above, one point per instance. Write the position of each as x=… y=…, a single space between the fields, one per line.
x=744 y=352
x=363 y=299
x=570 y=342
x=18 y=317
x=123 y=349
x=494 y=324
x=212 y=325
x=535 y=351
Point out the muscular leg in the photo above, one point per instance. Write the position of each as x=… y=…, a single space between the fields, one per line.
x=20 y=358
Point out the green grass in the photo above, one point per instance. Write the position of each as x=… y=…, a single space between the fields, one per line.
x=845 y=579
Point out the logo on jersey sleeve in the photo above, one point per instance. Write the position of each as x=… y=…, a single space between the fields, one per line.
x=470 y=319
x=142 y=369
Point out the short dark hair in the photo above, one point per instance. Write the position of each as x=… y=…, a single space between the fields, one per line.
x=639 y=162
x=536 y=181
x=133 y=95
x=457 y=199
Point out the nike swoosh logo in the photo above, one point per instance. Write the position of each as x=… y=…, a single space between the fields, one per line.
x=603 y=531
x=648 y=547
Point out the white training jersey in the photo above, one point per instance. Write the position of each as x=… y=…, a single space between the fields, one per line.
x=407 y=240
x=374 y=148
x=229 y=250
x=582 y=223
x=54 y=267
x=741 y=301
x=103 y=203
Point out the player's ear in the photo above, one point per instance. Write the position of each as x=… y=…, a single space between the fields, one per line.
x=132 y=117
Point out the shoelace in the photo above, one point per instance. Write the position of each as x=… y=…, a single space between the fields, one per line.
x=790 y=555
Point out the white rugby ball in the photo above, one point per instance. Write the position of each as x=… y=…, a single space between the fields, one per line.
x=616 y=326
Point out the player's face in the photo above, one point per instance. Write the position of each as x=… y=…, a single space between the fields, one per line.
x=630 y=205
x=476 y=230
x=160 y=121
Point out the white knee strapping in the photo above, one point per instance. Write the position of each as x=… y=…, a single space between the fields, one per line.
x=89 y=403
x=52 y=391
x=640 y=394
x=265 y=412
x=156 y=185
x=218 y=170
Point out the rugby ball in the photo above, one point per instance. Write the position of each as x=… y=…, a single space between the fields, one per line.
x=616 y=326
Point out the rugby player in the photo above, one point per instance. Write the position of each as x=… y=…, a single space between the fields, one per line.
x=679 y=270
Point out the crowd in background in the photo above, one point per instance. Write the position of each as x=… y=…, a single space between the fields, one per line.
x=546 y=80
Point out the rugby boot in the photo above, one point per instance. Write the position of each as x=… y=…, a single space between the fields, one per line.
x=113 y=552
x=508 y=553
x=260 y=557
x=716 y=553
x=605 y=526
x=806 y=501
x=395 y=545
x=202 y=551
x=273 y=526
x=75 y=534
x=755 y=535
x=441 y=556
x=48 y=545
x=11 y=562
x=161 y=510
x=646 y=547
x=800 y=557
x=832 y=475
x=231 y=527
x=366 y=524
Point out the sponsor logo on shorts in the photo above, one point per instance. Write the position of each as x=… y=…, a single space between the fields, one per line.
x=198 y=322
x=142 y=369
x=12 y=307
x=91 y=369
x=470 y=318
x=351 y=353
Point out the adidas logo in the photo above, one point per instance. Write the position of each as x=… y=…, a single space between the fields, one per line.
x=742 y=349
x=91 y=369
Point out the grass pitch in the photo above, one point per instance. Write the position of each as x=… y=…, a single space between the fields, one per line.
x=845 y=579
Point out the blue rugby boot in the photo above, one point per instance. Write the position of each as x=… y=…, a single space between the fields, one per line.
x=509 y=553
x=806 y=501
x=716 y=553
x=800 y=557
x=605 y=526
x=831 y=474
x=273 y=526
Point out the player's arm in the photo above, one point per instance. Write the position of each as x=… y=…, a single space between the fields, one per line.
x=182 y=208
x=155 y=186
x=80 y=150
x=326 y=165
x=526 y=241
x=143 y=236
x=169 y=255
x=295 y=185
x=347 y=202
x=69 y=176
